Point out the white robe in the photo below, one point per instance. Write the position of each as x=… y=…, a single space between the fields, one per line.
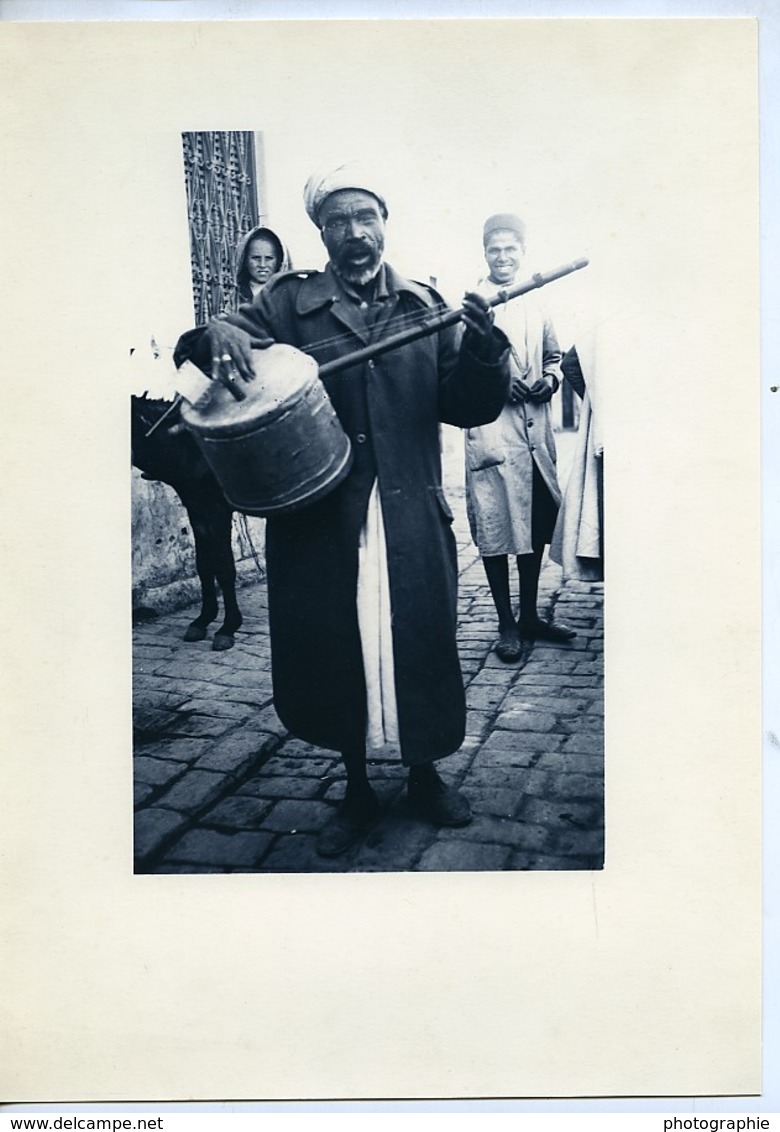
x=500 y=456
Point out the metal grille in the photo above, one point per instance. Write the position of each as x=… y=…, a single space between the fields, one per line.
x=220 y=175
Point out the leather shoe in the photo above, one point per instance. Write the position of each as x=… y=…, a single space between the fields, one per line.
x=352 y=820
x=438 y=803
x=508 y=647
x=545 y=631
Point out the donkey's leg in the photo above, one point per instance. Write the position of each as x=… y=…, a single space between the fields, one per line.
x=200 y=520
x=225 y=570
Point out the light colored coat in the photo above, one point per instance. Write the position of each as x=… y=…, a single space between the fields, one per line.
x=500 y=456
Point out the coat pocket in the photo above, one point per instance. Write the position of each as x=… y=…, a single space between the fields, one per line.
x=483 y=449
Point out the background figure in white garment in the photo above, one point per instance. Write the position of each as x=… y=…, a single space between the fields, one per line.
x=512 y=491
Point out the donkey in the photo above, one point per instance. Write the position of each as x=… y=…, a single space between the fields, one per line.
x=171 y=455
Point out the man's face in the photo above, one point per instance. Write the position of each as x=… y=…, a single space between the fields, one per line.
x=353 y=231
x=262 y=260
x=504 y=253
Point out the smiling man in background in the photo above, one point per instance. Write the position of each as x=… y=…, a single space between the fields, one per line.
x=512 y=492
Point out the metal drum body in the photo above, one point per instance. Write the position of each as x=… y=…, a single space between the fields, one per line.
x=282 y=447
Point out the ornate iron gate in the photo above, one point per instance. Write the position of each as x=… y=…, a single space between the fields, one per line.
x=221 y=179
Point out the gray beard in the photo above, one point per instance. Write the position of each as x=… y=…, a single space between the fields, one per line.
x=357 y=278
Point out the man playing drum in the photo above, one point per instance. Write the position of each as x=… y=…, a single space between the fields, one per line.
x=362 y=584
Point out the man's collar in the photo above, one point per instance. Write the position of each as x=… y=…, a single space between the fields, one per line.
x=324 y=288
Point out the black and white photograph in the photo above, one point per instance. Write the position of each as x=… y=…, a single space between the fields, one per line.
x=384 y=598
x=401 y=667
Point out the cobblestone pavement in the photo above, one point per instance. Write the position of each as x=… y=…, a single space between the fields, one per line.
x=220 y=786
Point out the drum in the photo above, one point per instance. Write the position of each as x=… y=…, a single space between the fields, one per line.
x=280 y=449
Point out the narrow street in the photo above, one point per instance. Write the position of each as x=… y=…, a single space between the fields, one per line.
x=220 y=786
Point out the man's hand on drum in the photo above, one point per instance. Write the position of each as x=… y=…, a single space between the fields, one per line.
x=478 y=318
x=231 y=350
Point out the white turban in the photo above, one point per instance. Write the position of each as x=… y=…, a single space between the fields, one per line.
x=353 y=175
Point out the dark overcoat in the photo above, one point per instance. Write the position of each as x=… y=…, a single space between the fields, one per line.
x=390 y=408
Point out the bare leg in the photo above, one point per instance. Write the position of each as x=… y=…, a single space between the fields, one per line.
x=508 y=648
x=529 y=567
x=530 y=625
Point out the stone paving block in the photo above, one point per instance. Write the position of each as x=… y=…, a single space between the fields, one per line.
x=478 y=722
x=220 y=708
x=244 y=662
x=577 y=842
x=240 y=678
x=501 y=677
x=180 y=750
x=299 y=815
x=495 y=801
x=586 y=744
x=394 y=844
x=472 y=635
x=263 y=785
x=562 y=814
x=454 y=766
x=522 y=861
x=156 y=772
x=525 y=719
x=573 y=785
x=179 y=669
x=235 y=753
x=579 y=724
x=463 y=856
x=194 y=791
x=521 y=741
x=519 y=756
x=558 y=663
x=257 y=699
x=595 y=704
x=255 y=656
x=268 y=721
x=152 y=827
x=542 y=680
x=297 y=853
x=484 y=698
x=241 y=811
x=488 y=828
x=200 y=725
x=492 y=777
x=547 y=863
x=307 y=766
x=224 y=850
x=491 y=662
x=187 y=688
x=566 y=762
x=383 y=756
x=530 y=699
x=141 y=792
